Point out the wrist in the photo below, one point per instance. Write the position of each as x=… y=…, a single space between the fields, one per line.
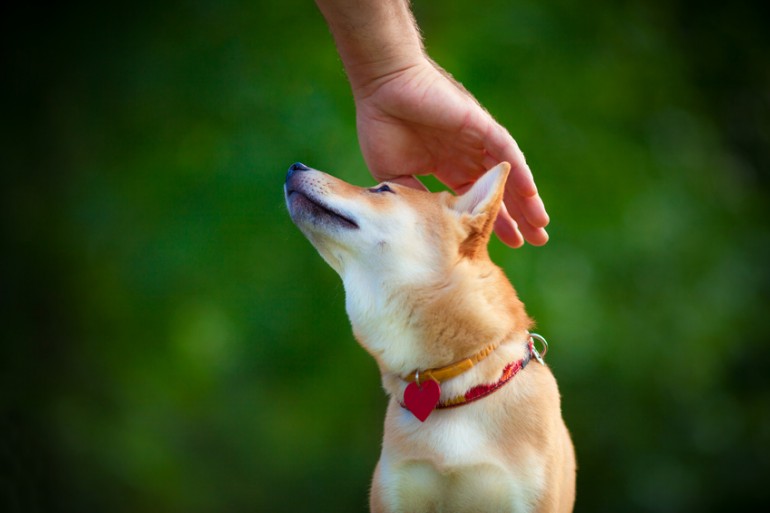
x=366 y=78
x=375 y=38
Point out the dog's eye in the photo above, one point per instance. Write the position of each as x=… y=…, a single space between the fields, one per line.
x=382 y=188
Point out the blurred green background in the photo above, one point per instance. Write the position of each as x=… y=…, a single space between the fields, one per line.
x=171 y=342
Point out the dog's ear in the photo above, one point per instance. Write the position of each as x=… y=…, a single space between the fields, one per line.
x=480 y=205
x=487 y=193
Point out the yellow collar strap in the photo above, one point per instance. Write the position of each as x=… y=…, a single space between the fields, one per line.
x=450 y=371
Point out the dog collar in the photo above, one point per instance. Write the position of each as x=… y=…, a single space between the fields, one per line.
x=423 y=393
x=449 y=371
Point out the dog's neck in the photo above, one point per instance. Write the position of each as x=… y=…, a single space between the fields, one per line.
x=452 y=370
x=438 y=320
x=421 y=398
x=463 y=376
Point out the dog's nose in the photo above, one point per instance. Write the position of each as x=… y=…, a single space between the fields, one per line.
x=297 y=166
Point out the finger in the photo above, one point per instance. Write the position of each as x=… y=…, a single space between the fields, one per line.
x=535 y=235
x=490 y=161
x=524 y=203
x=507 y=229
x=531 y=207
x=460 y=174
x=502 y=147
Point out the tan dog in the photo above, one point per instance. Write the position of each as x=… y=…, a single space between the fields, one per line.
x=474 y=421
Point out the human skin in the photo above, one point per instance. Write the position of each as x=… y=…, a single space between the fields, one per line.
x=414 y=119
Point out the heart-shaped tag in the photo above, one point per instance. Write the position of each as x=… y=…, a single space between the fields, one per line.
x=422 y=399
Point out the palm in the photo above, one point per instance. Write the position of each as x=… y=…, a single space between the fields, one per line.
x=420 y=122
x=414 y=125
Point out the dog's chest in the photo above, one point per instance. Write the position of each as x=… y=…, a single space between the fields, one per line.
x=455 y=468
x=419 y=486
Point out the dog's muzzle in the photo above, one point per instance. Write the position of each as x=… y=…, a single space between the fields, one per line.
x=294 y=168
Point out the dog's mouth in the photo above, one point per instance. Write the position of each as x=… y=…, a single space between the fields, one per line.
x=306 y=205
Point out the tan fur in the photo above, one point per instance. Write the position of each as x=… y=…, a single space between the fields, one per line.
x=421 y=293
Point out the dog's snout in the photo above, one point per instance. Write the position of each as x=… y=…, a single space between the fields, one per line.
x=297 y=166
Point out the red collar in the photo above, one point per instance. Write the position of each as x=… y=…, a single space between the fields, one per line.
x=422 y=399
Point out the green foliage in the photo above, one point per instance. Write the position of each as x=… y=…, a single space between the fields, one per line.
x=172 y=343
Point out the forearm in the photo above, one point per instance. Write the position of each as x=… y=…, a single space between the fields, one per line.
x=374 y=37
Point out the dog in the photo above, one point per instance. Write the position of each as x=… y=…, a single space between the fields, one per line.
x=474 y=419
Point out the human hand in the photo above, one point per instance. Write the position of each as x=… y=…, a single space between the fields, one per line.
x=418 y=121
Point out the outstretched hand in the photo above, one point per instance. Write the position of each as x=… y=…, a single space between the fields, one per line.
x=419 y=121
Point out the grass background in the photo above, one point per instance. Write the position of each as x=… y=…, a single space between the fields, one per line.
x=171 y=343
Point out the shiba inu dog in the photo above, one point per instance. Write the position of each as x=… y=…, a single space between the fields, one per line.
x=474 y=420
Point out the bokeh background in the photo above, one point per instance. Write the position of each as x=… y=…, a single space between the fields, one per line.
x=171 y=343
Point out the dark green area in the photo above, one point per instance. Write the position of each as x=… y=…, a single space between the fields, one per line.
x=170 y=342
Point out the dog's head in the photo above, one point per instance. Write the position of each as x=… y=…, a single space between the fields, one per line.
x=389 y=227
x=402 y=253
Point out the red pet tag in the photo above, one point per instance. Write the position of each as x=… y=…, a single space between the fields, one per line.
x=422 y=399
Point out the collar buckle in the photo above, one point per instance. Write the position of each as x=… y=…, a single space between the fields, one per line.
x=539 y=356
